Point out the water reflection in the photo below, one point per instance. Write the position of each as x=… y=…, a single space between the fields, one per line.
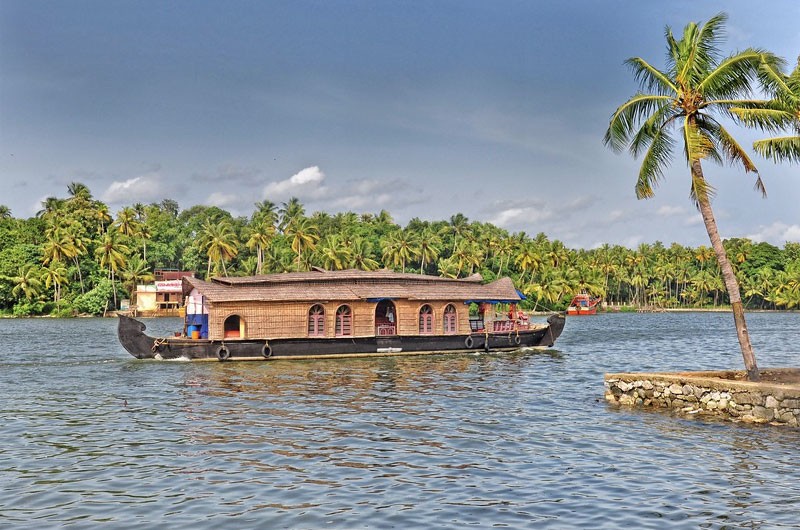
x=514 y=440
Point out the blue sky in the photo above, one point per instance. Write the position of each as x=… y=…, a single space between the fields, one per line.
x=493 y=109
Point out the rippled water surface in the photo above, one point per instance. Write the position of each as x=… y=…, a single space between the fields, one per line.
x=90 y=435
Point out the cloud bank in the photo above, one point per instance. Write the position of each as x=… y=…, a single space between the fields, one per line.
x=142 y=188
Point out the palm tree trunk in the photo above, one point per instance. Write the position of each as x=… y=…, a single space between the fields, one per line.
x=422 y=266
x=260 y=259
x=80 y=274
x=728 y=276
x=114 y=289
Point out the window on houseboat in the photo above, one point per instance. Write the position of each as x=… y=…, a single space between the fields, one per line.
x=316 y=321
x=425 y=320
x=344 y=321
x=450 y=320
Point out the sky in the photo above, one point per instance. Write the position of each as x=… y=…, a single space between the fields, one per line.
x=494 y=109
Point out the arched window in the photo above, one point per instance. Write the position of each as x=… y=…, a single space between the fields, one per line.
x=426 y=320
x=316 y=321
x=450 y=320
x=344 y=321
x=233 y=327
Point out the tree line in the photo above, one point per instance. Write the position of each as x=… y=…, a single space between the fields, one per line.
x=75 y=256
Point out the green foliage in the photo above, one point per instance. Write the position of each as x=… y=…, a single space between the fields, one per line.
x=159 y=235
x=27 y=308
x=97 y=300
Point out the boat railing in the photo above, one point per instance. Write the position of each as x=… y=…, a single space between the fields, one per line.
x=385 y=329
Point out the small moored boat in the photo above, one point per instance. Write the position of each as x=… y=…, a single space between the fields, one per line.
x=328 y=314
x=583 y=304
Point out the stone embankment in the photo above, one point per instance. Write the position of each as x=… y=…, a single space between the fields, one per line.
x=775 y=399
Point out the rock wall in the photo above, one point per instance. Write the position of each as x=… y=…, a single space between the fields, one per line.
x=720 y=393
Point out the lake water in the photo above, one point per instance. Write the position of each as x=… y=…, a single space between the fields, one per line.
x=90 y=435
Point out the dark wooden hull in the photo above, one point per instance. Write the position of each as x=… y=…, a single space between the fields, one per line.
x=142 y=346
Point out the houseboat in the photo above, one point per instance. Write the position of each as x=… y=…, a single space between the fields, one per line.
x=328 y=314
x=583 y=304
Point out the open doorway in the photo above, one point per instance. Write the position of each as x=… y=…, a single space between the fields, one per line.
x=385 y=318
x=234 y=327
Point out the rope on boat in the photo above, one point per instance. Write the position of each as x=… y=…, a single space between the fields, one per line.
x=158 y=343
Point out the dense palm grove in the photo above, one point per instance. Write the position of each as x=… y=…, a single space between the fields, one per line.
x=75 y=256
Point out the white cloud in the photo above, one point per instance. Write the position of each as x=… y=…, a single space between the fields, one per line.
x=374 y=194
x=668 y=211
x=308 y=183
x=518 y=213
x=615 y=215
x=777 y=233
x=692 y=220
x=142 y=188
x=633 y=241
x=221 y=199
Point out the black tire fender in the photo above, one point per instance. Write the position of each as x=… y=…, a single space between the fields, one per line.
x=517 y=340
x=266 y=351
x=223 y=353
x=469 y=342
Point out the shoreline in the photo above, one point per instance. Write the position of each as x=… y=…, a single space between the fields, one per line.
x=531 y=313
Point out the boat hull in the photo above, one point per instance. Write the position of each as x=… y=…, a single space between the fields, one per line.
x=133 y=338
x=582 y=310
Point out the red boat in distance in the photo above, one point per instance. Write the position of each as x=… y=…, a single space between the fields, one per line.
x=583 y=304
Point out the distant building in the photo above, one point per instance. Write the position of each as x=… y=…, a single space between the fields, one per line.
x=165 y=294
x=171 y=274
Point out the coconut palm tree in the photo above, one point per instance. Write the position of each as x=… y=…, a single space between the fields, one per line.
x=303 y=234
x=127 y=223
x=360 y=255
x=58 y=245
x=695 y=89
x=102 y=216
x=528 y=257
x=78 y=243
x=50 y=206
x=219 y=242
x=782 y=112
x=135 y=272
x=144 y=233
x=261 y=233
x=27 y=283
x=55 y=275
x=5 y=212
x=266 y=211
x=428 y=247
x=290 y=212
x=335 y=255
x=111 y=253
x=79 y=191
x=399 y=248
x=459 y=225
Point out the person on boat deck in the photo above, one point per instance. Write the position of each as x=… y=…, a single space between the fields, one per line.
x=390 y=315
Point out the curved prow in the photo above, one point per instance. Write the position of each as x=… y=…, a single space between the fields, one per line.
x=132 y=337
x=556 y=326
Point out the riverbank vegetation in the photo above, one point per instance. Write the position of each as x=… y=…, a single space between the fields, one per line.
x=76 y=256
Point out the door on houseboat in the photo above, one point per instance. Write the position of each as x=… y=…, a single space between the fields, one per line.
x=385 y=318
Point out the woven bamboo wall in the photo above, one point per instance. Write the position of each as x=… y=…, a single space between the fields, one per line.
x=290 y=319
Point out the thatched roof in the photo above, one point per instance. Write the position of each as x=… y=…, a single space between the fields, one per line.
x=349 y=285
